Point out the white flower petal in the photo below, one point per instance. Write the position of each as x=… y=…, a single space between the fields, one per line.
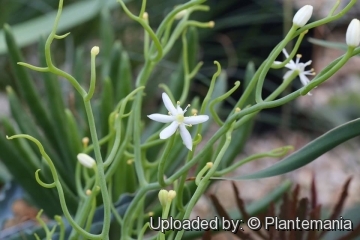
x=304 y=80
x=307 y=63
x=168 y=104
x=285 y=53
x=186 y=137
x=196 y=119
x=287 y=74
x=179 y=109
x=169 y=130
x=303 y=15
x=291 y=65
x=353 y=33
x=277 y=62
x=161 y=118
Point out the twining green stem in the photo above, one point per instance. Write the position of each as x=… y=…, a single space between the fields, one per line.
x=43 y=225
x=113 y=209
x=249 y=88
x=92 y=78
x=272 y=96
x=51 y=66
x=113 y=167
x=143 y=230
x=269 y=62
x=60 y=222
x=79 y=188
x=146 y=38
x=59 y=188
x=165 y=215
x=167 y=91
x=143 y=7
x=219 y=99
x=179 y=29
x=144 y=73
x=140 y=214
x=205 y=180
x=333 y=9
x=45 y=185
x=143 y=23
x=279 y=152
x=171 y=16
x=118 y=128
x=102 y=141
x=164 y=159
x=90 y=215
x=292 y=54
x=286 y=82
x=181 y=184
x=149 y=144
x=185 y=59
x=200 y=175
x=139 y=168
x=100 y=168
x=210 y=91
x=84 y=213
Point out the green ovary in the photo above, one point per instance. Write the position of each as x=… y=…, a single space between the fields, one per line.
x=180 y=118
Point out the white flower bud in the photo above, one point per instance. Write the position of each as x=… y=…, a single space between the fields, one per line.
x=353 y=33
x=171 y=195
x=145 y=16
x=163 y=197
x=303 y=15
x=86 y=160
x=95 y=50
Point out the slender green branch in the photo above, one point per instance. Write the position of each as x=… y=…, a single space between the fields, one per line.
x=137 y=141
x=279 y=152
x=164 y=158
x=58 y=187
x=292 y=54
x=147 y=28
x=269 y=62
x=219 y=99
x=45 y=185
x=94 y=52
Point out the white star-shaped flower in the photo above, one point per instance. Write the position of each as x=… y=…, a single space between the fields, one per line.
x=297 y=66
x=177 y=120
